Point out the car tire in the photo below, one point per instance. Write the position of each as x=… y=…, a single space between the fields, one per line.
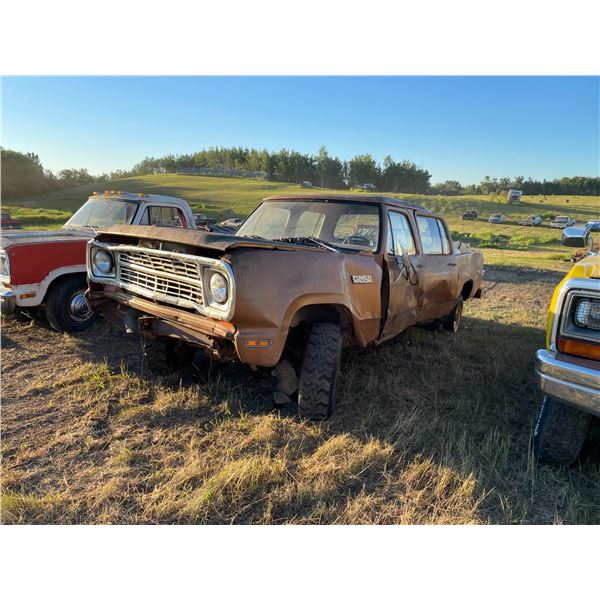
x=560 y=432
x=319 y=373
x=67 y=308
x=164 y=356
x=451 y=322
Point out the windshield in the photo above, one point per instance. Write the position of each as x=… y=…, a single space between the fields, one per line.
x=347 y=225
x=561 y=219
x=100 y=212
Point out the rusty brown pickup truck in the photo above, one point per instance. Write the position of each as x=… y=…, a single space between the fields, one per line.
x=300 y=279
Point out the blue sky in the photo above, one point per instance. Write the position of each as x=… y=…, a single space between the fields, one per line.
x=457 y=127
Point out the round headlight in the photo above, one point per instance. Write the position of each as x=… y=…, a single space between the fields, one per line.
x=103 y=262
x=218 y=287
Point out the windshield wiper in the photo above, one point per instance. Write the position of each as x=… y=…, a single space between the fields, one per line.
x=308 y=240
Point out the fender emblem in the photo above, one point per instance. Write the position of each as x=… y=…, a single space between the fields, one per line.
x=361 y=279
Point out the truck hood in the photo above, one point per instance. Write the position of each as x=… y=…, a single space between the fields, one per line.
x=201 y=239
x=12 y=238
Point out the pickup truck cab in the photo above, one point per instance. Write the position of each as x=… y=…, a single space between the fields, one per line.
x=568 y=369
x=48 y=267
x=301 y=278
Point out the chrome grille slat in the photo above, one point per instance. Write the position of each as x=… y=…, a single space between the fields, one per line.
x=174 y=280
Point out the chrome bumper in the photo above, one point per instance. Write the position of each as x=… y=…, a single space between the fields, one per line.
x=569 y=380
x=8 y=301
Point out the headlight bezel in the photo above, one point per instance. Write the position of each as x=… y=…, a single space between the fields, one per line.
x=219 y=292
x=93 y=268
x=569 y=328
x=103 y=262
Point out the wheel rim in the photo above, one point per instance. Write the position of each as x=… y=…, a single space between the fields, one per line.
x=79 y=309
x=457 y=315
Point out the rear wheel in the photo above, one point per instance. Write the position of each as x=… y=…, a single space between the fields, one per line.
x=451 y=322
x=67 y=308
x=560 y=432
x=319 y=374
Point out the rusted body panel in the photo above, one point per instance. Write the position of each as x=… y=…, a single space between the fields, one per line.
x=279 y=285
x=325 y=279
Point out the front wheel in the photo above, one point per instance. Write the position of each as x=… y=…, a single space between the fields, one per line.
x=67 y=308
x=319 y=374
x=164 y=356
x=560 y=432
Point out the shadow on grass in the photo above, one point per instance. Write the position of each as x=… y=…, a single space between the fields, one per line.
x=429 y=422
x=468 y=403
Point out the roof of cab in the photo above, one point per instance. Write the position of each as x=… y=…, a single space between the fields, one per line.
x=369 y=198
x=141 y=197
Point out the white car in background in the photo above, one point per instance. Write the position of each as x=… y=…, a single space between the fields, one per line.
x=531 y=221
x=562 y=221
x=497 y=218
x=593 y=225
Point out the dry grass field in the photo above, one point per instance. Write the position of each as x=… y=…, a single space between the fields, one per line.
x=430 y=428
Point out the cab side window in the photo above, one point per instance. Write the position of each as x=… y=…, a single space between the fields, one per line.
x=400 y=236
x=167 y=216
x=431 y=240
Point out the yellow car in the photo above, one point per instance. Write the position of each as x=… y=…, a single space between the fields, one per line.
x=568 y=369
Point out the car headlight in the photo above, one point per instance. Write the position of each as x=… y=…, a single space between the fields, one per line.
x=103 y=262
x=218 y=287
x=587 y=314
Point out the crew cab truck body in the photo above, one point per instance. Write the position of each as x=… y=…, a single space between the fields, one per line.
x=48 y=267
x=568 y=369
x=302 y=277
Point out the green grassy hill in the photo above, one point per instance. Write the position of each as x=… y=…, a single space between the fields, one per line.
x=507 y=243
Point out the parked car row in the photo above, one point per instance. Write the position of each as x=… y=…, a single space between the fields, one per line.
x=559 y=222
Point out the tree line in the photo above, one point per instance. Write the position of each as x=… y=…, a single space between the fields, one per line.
x=577 y=186
x=290 y=166
x=24 y=175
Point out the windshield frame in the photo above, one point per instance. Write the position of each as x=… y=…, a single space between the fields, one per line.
x=319 y=199
x=111 y=201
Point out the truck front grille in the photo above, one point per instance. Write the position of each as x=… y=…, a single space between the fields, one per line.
x=173 y=280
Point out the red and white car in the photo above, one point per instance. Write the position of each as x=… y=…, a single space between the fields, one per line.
x=48 y=267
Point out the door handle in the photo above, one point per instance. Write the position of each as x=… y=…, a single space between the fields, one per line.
x=452 y=264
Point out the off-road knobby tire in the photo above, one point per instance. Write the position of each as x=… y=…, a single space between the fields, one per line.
x=57 y=307
x=319 y=373
x=451 y=322
x=560 y=432
x=159 y=355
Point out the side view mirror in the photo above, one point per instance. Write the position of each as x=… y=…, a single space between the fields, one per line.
x=576 y=237
x=403 y=258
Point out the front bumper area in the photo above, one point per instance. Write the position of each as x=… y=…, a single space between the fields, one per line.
x=8 y=301
x=574 y=381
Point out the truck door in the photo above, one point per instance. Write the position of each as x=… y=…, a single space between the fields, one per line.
x=440 y=271
x=402 y=294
